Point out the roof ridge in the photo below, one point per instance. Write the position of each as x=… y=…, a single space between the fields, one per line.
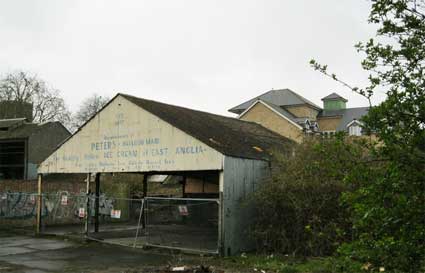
x=334 y=96
x=288 y=91
x=257 y=97
x=227 y=135
x=190 y=109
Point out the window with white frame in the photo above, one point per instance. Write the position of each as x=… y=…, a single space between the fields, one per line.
x=355 y=130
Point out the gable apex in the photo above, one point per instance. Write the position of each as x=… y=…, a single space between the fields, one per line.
x=334 y=96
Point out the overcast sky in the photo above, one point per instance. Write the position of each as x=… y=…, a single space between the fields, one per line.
x=208 y=55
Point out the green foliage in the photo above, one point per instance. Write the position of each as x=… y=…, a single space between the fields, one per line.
x=299 y=210
x=389 y=211
x=277 y=264
x=388 y=208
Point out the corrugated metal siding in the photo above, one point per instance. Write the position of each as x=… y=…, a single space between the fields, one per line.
x=241 y=177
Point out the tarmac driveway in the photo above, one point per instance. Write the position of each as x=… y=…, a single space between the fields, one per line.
x=31 y=254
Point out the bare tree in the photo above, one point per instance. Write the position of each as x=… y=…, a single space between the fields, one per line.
x=89 y=107
x=47 y=103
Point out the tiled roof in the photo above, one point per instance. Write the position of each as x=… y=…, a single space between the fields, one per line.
x=347 y=115
x=281 y=97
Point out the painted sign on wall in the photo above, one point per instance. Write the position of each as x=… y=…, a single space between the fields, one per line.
x=126 y=138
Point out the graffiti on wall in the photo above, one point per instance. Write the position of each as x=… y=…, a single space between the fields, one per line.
x=18 y=205
x=56 y=207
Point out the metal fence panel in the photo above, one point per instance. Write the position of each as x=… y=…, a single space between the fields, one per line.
x=182 y=223
x=177 y=223
x=64 y=213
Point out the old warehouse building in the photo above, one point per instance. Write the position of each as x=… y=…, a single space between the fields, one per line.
x=134 y=135
x=24 y=144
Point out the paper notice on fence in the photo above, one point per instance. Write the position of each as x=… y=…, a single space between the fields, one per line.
x=32 y=199
x=183 y=210
x=81 y=212
x=116 y=214
x=64 y=200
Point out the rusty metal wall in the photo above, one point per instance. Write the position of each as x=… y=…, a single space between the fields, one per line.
x=125 y=138
x=240 y=179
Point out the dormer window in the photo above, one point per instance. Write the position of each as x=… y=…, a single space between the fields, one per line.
x=354 y=128
x=315 y=127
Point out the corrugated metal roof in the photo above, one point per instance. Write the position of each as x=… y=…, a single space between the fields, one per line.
x=230 y=136
x=24 y=130
x=281 y=97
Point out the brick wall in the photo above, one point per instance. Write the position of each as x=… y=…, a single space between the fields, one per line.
x=53 y=183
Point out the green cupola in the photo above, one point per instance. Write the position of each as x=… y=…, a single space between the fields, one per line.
x=334 y=102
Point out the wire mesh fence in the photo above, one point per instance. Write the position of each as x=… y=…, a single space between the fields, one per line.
x=119 y=220
x=177 y=223
x=182 y=223
x=65 y=213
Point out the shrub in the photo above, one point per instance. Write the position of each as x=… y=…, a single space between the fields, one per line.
x=298 y=209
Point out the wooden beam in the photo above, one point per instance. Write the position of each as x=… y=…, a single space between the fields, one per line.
x=96 y=203
x=39 y=203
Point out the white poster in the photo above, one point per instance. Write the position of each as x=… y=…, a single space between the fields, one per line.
x=64 y=200
x=183 y=210
x=81 y=212
x=116 y=214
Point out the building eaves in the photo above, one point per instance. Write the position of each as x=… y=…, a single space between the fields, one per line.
x=278 y=110
x=8 y=123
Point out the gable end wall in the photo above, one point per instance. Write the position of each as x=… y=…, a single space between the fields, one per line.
x=272 y=121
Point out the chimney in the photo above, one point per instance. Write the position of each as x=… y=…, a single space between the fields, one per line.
x=334 y=102
x=15 y=109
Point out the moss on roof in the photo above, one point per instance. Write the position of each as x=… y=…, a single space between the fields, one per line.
x=230 y=136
